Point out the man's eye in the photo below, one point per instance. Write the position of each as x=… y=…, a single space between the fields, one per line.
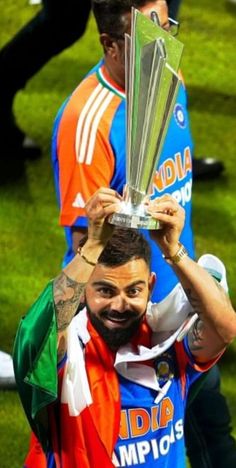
x=133 y=292
x=105 y=292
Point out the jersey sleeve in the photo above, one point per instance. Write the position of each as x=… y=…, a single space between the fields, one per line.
x=86 y=160
x=190 y=370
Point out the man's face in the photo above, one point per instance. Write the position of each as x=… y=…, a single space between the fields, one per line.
x=116 y=300
x=161 y=8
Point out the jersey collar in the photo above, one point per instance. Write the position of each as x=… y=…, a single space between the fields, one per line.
x=106 y=80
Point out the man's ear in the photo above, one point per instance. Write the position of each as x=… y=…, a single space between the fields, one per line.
x=152 y=282
x=109 y=45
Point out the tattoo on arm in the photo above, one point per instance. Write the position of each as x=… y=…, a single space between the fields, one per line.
x=67 y=294
x=193 y=301
x=196 y=335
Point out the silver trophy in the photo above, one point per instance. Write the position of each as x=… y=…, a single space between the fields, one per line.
x=152 y=62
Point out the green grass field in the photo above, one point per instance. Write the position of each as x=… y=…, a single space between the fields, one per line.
x=32 y=243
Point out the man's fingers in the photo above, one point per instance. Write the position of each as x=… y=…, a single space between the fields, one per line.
x=165 y=207
x=107 y=192
x=165 y=217
x=165 y=204
x=112 y=208
x=167 y=210
x=102 y=204
x=103 y=197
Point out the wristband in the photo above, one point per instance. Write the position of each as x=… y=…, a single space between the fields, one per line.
x=181 y=253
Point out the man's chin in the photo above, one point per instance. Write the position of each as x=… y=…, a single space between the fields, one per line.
x=115 y=334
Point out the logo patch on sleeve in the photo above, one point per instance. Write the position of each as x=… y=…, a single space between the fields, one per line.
x=179 y=116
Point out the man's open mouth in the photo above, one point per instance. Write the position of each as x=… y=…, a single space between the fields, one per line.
x=117 y=321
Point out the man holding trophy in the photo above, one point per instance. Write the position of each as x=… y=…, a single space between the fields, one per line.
x=118 y=394
x=90 y=148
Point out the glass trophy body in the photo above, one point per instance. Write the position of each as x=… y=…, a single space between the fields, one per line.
x=152 y=59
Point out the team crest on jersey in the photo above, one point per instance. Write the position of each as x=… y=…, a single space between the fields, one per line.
x=164 y=366
x=179 y=116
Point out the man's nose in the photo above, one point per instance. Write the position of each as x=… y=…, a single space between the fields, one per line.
x=119 y=303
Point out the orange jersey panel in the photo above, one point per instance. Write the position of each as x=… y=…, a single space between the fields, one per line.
x=85 y=156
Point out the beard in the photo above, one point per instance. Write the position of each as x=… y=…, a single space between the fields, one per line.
x=115 y=338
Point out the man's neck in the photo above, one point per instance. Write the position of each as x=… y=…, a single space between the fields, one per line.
x=114 y=75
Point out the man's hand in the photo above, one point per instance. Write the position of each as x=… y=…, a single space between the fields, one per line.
x=172 y=217
x=102 y=204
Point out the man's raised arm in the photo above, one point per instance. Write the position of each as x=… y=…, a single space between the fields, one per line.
x=216 y=325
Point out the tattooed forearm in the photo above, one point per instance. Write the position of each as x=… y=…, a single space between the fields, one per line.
x=67 y=294
x=197 y=330
x=195 y=336
x=195 y=303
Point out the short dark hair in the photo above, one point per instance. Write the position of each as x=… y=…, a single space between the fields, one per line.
x=109 y=14
x=124 y=245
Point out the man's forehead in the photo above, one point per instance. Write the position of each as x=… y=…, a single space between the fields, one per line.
x=128 y=273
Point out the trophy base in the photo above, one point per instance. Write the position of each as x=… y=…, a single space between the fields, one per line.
x=134 y=221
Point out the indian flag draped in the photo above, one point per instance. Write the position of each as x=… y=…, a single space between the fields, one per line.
x=89 y=425
x=35 y=362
